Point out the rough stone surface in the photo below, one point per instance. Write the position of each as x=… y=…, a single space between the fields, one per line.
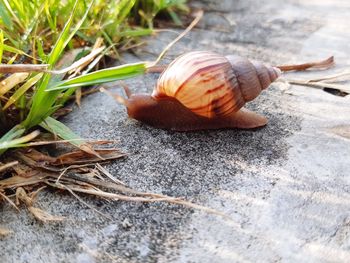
x=286 y=186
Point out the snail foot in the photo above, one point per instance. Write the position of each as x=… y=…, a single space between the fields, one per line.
x=246 y=119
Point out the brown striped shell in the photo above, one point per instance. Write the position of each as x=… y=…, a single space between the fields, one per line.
x=212 y=85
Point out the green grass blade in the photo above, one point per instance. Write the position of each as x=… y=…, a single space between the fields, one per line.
x=103 y=76
x=43 y=101
x=5 y=17
x=123 y=9
x=13 y=50
x=62 y=131
x=175 y=17
x=6 y=144
x=12 y=13
x=15 y=132
x=135 y=33
x=58 y=128
x=66 y=35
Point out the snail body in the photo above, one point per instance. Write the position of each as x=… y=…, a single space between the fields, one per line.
x=204 y=90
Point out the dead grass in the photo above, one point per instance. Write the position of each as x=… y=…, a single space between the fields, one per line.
x=77 y=172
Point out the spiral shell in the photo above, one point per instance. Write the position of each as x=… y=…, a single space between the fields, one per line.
x=212 y=85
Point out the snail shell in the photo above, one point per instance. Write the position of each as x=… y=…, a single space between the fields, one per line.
x=211 y=85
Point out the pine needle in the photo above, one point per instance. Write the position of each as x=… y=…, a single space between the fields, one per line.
x=198 y=17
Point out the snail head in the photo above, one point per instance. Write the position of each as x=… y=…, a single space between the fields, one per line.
x=141 y=107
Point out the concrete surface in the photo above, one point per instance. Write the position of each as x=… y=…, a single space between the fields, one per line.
x=286 y=186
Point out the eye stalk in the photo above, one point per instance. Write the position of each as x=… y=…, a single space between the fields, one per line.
x=117 y=97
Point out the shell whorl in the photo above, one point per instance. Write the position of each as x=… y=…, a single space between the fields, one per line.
x=212 y=85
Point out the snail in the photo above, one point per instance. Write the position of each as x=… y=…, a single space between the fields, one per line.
x=203 y=90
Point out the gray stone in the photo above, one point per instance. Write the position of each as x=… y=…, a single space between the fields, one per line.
x=286 y=186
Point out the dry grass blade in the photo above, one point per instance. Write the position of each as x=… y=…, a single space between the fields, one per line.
x=91 y=91
x=38 y=213
x=43 y=216
x=116 y=197
x=320 y=85
x=4 y=232
x=76 y=172
x=333 y=78
x=74 y=177
x=11 y=81
x=157 y=69
x=198 y=16
x=83 y=202
x=19 y=181
x=324 y=64
x=81 y=157
x=8 y=165
x=108 y=174
x=9 y=201
x=21 y=196
x=23 y=68
x=96 y=50
x=40 y=143
x=80 y=63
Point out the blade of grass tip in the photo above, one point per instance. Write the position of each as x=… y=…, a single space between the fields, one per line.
x=103 y=76
x=19 y=92
x=13 y=143
x=62 y=131
x=198 y=17
x=42 y=99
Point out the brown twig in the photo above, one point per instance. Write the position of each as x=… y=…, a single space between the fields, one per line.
x=198 y=16
x=324 y=64
x=4 y=68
